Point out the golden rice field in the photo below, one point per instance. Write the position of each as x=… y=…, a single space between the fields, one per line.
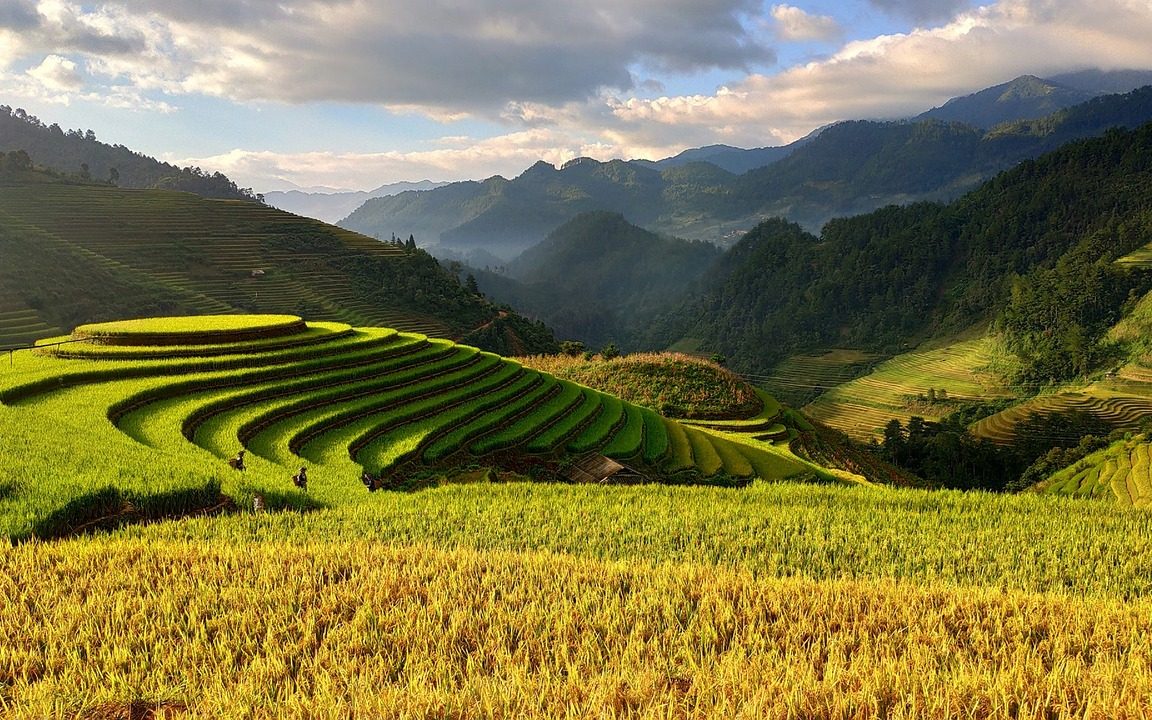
x=862 y=407
x=521 y=600
x=121 y=628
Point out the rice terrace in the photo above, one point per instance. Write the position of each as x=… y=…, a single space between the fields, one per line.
x=498 y=590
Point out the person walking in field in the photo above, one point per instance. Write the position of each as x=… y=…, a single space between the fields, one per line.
x=237 y=463
x=300 y=479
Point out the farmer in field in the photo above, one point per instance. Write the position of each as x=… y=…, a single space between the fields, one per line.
x=372 y=483
x=300 y=479
x=237 y=463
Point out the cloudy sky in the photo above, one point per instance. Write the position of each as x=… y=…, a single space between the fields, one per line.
x=356 y=93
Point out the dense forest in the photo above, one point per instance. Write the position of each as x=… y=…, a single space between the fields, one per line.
x=79 y=153
x=1031 y=250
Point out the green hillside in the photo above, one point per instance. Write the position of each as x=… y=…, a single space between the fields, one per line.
x=77 y=153
x=1017 y=250
x=79 y=253
x=1121 y=471
x=598 y=278
x=925 y=383
x=143 y=414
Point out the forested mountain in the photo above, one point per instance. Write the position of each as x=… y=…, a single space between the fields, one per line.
x=731 y=159
x=847 y=169
x=599 y=279
x=1027 y=97
x=1032 y=250
x=856 y=167
x=506 y=216
x=79 y=153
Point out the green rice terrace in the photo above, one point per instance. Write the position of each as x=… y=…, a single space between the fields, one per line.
x=932 y=383
x=139 y=419
x=1122 y=471
x=78 y=253
x=923 y=383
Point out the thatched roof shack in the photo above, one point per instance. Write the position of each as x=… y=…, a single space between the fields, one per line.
x=596 y=468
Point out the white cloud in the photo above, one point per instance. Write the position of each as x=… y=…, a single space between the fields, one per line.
x=444 y=56
x=792 y=23
x=897 y=75
x=558 y=75
x=57 y=73
x=888 y=76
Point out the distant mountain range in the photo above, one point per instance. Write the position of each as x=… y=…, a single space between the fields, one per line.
x=333 y=206
x=847 y=169
x=732 y=159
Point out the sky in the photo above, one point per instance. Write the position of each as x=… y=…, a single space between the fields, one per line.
x=352 y=94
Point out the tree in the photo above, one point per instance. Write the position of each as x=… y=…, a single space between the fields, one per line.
x=572 y=348
x=894 y=440
x=19 y=161
x=471 y=286
x=113 y=176
x=609 y=351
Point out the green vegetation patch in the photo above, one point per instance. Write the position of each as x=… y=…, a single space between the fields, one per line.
x=345 y=401
x=673 y=384
x=191 y=330
x=315 y=334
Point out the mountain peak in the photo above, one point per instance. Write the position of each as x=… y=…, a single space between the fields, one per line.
x=1024 y=98
x=583 y=160
x=1028 y=86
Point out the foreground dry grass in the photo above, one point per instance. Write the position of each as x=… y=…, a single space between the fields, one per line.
x=111 y=628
